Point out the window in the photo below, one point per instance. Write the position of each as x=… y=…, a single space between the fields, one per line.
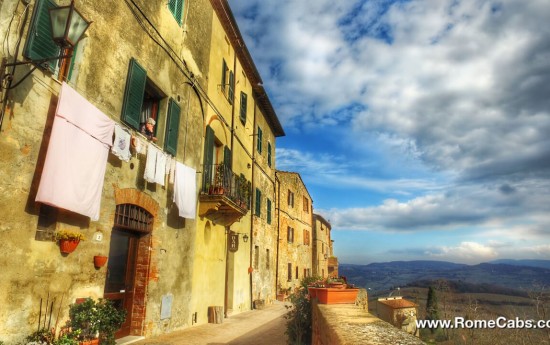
x=268 y=211
x=290 y=234
x=242 y=116
x=306 y=237
x=176 y=7
x=306 y=205
x=267 y=258
x=305 y=272
x=269 y=154
x=290 y=198
x=297 y=272
x=228 y=82
x=259 y=143
x=289 y=272
x=256 y=257
x=258 y=202
x=141 y=101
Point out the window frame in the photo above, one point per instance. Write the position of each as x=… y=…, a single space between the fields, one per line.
x=258 y=211
x=268 y=211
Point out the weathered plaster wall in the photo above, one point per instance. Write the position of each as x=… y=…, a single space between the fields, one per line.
x=35 y=268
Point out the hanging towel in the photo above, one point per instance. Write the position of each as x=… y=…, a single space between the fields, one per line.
x=172 y=171
x=160 y=176
x=121 y=146
x=151 y=163
x=76 y=159
x=185 y=191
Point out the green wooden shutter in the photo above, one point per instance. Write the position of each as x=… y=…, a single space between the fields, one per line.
x=227 y=157
x=172 y=129
x=268 y=211
x=243 y=107
x=231 y=93
x=259 y=143
x=133 y=96
x=258 y=202
x=176 y=7
x=224 y=75
x=179 y=11
x=208 y=156
x=39 y=43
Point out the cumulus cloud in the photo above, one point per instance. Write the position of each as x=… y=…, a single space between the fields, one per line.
x=465 y=251
x=462 y=87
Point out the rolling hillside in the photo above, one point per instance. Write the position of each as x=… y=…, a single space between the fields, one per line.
x=388 y=275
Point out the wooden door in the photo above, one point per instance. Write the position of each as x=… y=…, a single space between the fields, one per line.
x=119 y=285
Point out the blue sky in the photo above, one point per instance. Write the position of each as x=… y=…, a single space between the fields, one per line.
x=421 y=128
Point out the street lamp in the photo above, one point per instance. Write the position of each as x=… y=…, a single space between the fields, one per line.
x=68 y=25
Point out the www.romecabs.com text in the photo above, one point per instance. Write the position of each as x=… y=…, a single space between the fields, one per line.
x=500 y=322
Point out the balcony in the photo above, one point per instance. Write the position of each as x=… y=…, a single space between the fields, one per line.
x=225 y=196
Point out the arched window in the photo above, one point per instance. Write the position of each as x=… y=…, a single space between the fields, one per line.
x=133 y=217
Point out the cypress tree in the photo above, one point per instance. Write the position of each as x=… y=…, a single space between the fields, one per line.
x=432 y=312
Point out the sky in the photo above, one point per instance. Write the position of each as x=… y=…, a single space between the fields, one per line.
x=420 y=128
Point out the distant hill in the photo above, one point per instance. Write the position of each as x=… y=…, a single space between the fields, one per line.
x=531 y=263
x=389 y=275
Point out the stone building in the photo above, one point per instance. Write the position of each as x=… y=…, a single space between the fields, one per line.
x=169 y=261
x=399 y=312
x=295 y=217
x=322 y=249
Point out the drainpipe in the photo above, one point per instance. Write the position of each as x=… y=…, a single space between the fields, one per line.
x=251 y=206
x=227 y=228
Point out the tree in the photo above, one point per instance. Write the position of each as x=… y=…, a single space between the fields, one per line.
x=432 y=312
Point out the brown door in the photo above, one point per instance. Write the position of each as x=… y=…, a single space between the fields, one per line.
x=119 y=285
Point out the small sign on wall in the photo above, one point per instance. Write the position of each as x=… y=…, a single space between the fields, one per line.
x=233 y=240
x=166 y=307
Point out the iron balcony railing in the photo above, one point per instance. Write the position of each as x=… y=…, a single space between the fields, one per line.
x=219 y=179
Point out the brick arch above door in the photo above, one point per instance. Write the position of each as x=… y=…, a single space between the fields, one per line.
x=137 y=197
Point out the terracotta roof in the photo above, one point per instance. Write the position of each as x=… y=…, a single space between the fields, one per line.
x=398 y=303
x=222 y=9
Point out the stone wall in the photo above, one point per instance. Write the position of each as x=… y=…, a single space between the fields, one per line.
x=339 y=324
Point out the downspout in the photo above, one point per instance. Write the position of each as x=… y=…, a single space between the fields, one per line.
x=227 y=228
x=251 y=212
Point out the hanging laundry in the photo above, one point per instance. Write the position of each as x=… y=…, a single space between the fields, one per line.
x=172 y=171
x=185 y=190
x=155 y=165
x=160 y=176
x=74 y=169
x=121 y=146
x=151 y=163
x=168 y=164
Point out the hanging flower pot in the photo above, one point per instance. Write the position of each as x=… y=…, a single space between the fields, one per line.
x=100 y=261
x=68 y=240
x=68 y=246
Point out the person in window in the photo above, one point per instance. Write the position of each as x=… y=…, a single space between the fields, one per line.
x=149 y=129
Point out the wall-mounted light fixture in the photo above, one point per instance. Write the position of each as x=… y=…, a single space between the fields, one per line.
x=245 y=238
x=68 y=27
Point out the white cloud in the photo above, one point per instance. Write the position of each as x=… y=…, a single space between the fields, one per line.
x=465 y=252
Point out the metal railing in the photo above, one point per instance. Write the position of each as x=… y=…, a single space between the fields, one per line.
x=219 y=179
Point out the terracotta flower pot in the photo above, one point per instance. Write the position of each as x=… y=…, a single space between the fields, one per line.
x=312 y=291
x=99 y=261
x=90 y=342
x=336 y=296
x=68 y=246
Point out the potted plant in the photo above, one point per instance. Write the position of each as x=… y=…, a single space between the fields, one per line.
x=90 y=319
x=68 y=240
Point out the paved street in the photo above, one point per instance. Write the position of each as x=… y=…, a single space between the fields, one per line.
x=266 y=326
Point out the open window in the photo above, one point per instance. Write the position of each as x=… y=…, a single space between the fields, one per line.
x=176 y=7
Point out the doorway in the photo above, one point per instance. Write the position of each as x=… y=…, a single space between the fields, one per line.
x=128 y=266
